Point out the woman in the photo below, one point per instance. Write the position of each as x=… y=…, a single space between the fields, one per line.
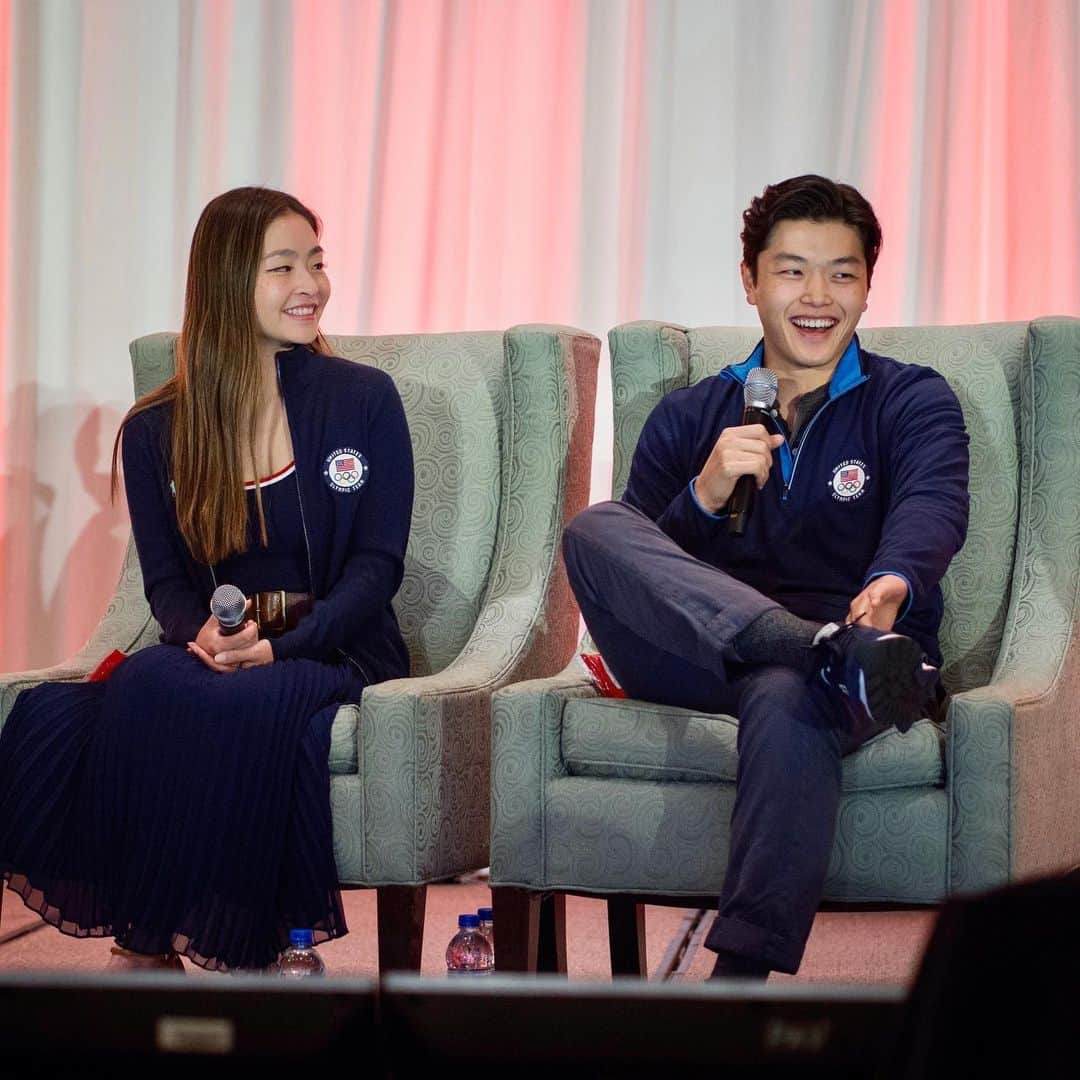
x=182 y=805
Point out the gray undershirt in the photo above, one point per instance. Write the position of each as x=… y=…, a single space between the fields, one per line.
x=807 y=405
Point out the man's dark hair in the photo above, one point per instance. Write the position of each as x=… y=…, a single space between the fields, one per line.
x=809 y=198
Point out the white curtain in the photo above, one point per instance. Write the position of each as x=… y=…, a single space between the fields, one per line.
x=479 y=163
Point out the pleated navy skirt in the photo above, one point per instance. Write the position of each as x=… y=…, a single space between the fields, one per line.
x=175 y=807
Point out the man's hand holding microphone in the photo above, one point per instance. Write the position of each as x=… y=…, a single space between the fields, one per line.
x=741 y=458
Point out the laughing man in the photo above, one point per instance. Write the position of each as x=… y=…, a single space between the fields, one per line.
x=818 y=627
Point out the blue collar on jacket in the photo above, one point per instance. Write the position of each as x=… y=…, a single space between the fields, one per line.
x=847 y=375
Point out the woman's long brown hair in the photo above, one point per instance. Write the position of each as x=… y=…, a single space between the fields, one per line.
x=215 y=392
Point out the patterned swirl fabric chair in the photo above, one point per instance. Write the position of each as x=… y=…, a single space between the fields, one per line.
x=501 y=426
x=631 y=801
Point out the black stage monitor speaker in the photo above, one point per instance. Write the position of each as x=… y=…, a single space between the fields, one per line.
x=998 y=990
x=544 y=1025
x=200 y=1027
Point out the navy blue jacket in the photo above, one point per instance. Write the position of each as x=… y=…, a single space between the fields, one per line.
x=356 y=538
x=877 y=485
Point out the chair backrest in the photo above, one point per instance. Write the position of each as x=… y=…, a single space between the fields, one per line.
x=462 y=404
x=985 y=365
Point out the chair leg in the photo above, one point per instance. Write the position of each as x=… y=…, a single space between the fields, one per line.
x=401 y=926
x=551 y=951
x=516 y=913
x=626 y=937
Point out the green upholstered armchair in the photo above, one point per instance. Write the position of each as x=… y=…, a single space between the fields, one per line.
x=631 y=801
x=501 y=427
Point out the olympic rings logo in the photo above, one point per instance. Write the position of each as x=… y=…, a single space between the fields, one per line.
x=345 y=470
x=849 y=480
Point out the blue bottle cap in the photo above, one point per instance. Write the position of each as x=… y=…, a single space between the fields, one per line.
x=303 y=938
x=468 y=920
x=484 y=914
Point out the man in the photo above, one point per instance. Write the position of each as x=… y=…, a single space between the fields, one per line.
x=818 y=627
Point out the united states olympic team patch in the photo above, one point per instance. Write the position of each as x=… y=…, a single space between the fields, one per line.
x=345 y=470
x=849 y=480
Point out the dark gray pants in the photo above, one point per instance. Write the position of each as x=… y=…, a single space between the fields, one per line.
x=664 y=622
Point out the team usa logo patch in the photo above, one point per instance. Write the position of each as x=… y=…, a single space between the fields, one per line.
x=345 y=470
x=849 y=480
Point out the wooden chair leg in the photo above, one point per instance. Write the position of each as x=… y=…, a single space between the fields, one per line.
x=516 y=913
x=551 y=951
x=401 y=926
x=626 y=937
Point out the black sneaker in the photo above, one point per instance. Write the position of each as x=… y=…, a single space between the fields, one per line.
x=886 y=673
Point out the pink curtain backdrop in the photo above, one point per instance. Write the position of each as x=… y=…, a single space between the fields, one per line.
x=479 y=163
x=991 y=158
x=444 y=141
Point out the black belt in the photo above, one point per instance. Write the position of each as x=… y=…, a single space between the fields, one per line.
x=277 y=611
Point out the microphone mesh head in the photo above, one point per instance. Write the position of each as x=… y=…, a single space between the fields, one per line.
x=760 y=388
x=228 y=604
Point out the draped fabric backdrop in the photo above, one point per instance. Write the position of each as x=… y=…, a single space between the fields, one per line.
x=479 y=163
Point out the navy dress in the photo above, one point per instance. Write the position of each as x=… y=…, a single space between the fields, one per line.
x=172 y=806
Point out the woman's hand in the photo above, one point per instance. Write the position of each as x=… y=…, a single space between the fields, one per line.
x=226 y=653
x=251 y=656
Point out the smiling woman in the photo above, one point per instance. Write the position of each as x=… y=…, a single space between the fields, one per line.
x=292 y=288
x=244 y=271
x=186 y=811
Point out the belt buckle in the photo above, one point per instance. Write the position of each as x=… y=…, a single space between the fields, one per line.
x=264 y=610
x=284 y=612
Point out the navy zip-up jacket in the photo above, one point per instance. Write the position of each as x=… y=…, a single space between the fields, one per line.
x=356 y=535
x=877 y=485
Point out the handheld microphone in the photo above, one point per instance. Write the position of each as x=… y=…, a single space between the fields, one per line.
x=758 y=397
x=228 y=605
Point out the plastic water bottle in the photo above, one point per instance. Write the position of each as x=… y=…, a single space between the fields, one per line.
x=469 y=952
x=487 y=925
x=301 y=958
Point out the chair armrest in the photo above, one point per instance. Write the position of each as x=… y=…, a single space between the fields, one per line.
x=1014 y=744
x=546 y=474
x=74 y=669
x=525 y=754
x=1012 y=762
x=424 y=742
x=127 y=625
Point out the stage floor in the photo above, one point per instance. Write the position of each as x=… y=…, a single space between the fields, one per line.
x=845 y=946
